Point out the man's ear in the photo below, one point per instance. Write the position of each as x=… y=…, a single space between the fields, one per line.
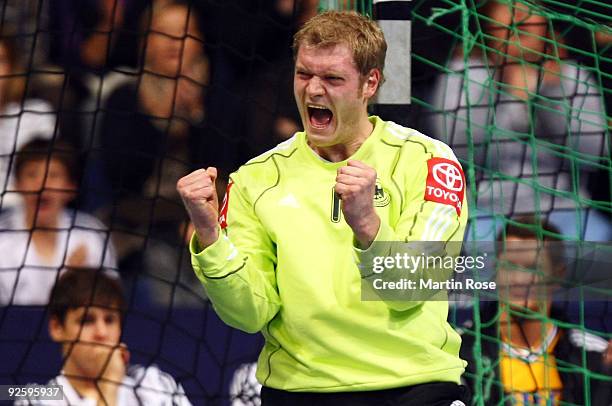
x=56 y=330
x=371 y=83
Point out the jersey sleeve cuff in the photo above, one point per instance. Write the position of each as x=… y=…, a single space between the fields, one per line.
x=379 y=247
x=215 y=261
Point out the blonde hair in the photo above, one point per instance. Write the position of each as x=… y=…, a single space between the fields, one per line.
x=364 y=38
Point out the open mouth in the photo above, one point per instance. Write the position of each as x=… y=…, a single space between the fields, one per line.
x=319 y=116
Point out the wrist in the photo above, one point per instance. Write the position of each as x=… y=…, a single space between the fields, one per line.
x=366 y=230
x=207 y=236
x=109 y=391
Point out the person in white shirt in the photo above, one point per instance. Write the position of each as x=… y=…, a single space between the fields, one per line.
x=41 y=236
x=529 y=119
x=85 y=316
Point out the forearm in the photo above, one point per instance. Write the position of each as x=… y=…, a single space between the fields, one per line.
x=242 y=296
x=398 y=256
x=366 y=231
x=383 y=246
x=206 y=236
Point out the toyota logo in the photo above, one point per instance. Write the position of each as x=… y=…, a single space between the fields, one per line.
x=448 y=176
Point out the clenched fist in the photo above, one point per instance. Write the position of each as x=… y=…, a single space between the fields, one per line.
x=199 y=195
x=355 y=185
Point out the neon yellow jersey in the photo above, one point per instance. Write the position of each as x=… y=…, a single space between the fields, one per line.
x=286 y=265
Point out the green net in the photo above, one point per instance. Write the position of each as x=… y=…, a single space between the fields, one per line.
x=521 y=91
x=524 y=109
x=521 y=98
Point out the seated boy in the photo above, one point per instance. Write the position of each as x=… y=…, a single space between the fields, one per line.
x=42 y=235
x=525 y=356
x=86 y=311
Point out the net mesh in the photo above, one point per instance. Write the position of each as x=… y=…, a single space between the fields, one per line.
x=520 y=90
x=523 y=97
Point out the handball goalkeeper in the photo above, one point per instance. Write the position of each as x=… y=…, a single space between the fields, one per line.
x=283 y=253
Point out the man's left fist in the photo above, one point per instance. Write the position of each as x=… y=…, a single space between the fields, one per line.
x=355 y=185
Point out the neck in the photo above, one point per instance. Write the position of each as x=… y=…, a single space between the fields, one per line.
x=345 y=150
x=30 y=217
x=91 y=387
x=85 y=387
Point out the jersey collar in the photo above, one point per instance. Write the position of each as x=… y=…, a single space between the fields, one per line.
x=361 y=154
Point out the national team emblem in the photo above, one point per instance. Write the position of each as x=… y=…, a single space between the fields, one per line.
x=381 y=197
x=224 y=206
x=445 y=183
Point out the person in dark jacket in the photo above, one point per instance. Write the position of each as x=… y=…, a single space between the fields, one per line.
x=154 y=131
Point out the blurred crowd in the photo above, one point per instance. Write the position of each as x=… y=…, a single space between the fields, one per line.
x=136 y=94
x=105 y=104
x=141 y=92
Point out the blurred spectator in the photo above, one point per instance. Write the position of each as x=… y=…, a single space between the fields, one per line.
x=42 y=235
x=524 y=356
x=580 y=38
x=600 y=183
x=170 y=280
x=94 y=34
x=270 y=115
x=535 y=118
x=84 y=40
x=155 y=131
x=86 y=312
x=28 y=18
x=21 y=118
x=253 y=79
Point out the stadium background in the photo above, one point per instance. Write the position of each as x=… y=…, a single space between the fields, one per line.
x=248 y=108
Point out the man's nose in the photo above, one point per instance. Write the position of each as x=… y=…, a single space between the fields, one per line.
x=315 y=87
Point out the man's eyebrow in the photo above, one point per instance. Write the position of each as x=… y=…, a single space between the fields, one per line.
x=334 y=73
x=330 y=72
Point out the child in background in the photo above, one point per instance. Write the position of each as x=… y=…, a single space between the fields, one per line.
x=529 y=358
x=86 y=311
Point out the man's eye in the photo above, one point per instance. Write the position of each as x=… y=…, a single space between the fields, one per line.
x=333 y=78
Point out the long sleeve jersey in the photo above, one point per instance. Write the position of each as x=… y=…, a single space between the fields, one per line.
x=286 y=265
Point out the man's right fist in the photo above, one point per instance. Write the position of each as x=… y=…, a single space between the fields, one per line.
x=199 y=195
